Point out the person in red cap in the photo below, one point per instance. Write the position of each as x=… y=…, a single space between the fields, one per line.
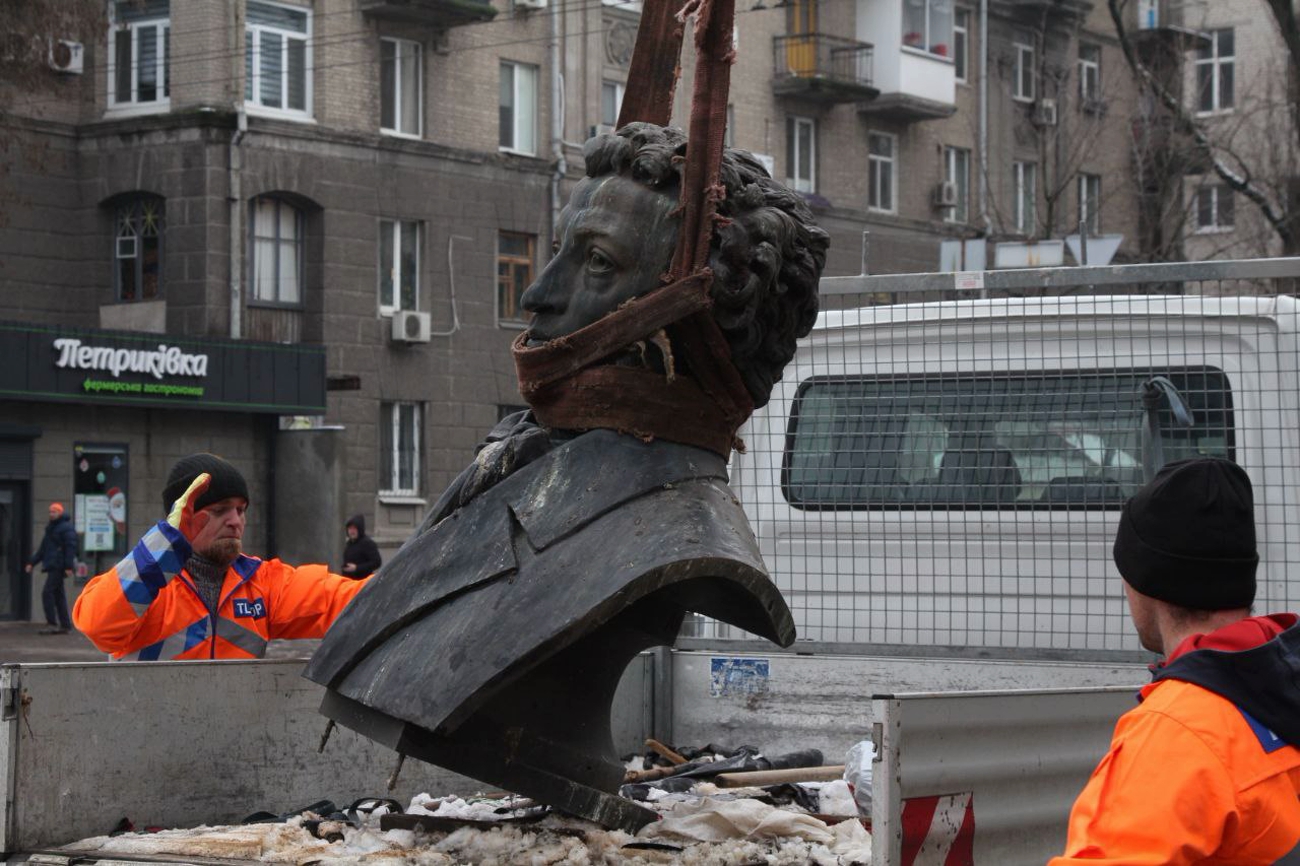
x=57 y=556
x=1207 y=768
x=188 y=591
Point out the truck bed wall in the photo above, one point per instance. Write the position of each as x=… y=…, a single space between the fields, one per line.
x=178 y=744
x=990 y=775
x=187 y=743
x=782 y=703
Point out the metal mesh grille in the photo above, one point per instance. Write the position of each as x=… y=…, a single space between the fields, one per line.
x=946 y=474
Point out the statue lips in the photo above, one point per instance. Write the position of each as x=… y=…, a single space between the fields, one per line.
x=539 y=592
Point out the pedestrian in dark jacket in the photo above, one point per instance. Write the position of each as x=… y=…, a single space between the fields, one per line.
x=57 y=556
x=361 y=554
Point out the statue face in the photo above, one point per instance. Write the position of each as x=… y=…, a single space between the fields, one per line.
x=614 y=240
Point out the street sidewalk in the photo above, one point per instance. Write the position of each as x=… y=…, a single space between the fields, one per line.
x=20 y=642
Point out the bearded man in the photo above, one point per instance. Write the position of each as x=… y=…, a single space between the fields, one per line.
x=188 y=591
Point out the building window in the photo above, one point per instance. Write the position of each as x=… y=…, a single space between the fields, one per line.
x=518 y=107
x=399 y=265
x=399 y=448
x=277 y=58
x=1026 y=179
x=137 y=249
x=515 y=256
x=927 y=26
x=801 y=154
x=1090 y=202
x=138 y=64
x=401 y=79
x=956 y=171
x=1214 y=208
x=611 y=102
x=1023 y=88
x=1089 y=75
x=277 y=252
x=1214 y=72
x=961 y=43
x=880 y=171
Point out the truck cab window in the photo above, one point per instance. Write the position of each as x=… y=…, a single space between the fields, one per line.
x=1056 y=440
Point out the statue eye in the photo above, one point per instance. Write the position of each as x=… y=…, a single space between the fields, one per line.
x=599 y=263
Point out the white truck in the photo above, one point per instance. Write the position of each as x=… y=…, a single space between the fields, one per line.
x=947 y=476
x=935 y=487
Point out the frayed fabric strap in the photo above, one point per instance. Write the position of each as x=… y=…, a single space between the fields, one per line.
x=638 y=319
x=569 y=389
x=638 y=402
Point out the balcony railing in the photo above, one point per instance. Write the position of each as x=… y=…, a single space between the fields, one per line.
x=431 y=13
x=822 y=67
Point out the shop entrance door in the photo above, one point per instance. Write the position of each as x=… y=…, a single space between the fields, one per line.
x=15 y=583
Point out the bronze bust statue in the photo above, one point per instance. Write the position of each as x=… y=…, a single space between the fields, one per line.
x=587 y=527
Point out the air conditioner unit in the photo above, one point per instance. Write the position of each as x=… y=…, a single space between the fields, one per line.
x=1045 y=112
x=66 y=56
x=945 y=194
x=410 y=326
x=530 y=4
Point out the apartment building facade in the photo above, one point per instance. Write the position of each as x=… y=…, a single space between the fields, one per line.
x=1234 y=81
x=360 y=190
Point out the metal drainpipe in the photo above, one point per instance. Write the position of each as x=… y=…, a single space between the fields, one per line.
x=235 y=184
x=557 y=122
x=984 y=114
x=236 y=225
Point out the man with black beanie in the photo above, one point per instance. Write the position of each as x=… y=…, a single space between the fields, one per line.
x=188 y=591
x=1207 y=768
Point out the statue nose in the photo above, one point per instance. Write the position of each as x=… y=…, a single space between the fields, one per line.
x=546 y=294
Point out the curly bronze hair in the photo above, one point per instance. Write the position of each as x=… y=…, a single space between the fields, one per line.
x=767 y=253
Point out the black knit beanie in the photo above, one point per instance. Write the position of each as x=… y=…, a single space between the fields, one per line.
x=1188 y=536
x=226 y=480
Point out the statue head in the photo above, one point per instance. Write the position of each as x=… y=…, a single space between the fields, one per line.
x=615 y=241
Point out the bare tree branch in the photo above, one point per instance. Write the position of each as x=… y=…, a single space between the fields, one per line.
x=1275 y=213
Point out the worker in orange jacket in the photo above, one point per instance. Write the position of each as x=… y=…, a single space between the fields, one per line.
x=187 y=590
x=1206 y=769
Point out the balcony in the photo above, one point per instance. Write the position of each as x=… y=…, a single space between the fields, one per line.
x=440 y=14
x=1061 y=9
x=1167 y=24
x=822 y=68
x=912 y=65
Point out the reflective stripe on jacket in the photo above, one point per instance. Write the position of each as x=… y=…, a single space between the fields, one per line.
x=146 y=607
x=1189 y=779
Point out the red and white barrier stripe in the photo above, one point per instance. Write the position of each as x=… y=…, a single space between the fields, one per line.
x=939 y=831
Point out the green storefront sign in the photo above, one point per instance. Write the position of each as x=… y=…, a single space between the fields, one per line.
x=114 y=367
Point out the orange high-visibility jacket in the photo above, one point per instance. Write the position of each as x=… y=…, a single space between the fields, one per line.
x=1190 y=778
x=146 y=607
